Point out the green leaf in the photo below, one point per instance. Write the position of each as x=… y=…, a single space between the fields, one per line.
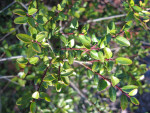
x=133 y=92
x=85 y=40
x=112 y=94
x=58 y=87
x=20 y=20
x=131 y=2
x=25 y=38
x=96 y=79
x=31 y=21
x=74 y=24
x=70 y=58
x=114 y=80
x=89 y=74
x=124 y=102
x=48 y=78
x=35 y=95
x=33 y=107
x=36 y=47
x=41 y=19
x=127 y=26
x=94 y=39
x=65 y=79
x=137 y=8
x=19 y=12
x=24 y=100
x=64 y=39
x=45 y=96
x=129 y=88
x=71 y=43
x=122 y=41
x=32 y=11
x=33 y=60
x=22 y=61
x=123 y=61
x=42 y=35
x=94 y=54
x=107 y=52
x=30 y=52
x=134 y=101
x=101 y=56
x=102 y=84
x=67 y=72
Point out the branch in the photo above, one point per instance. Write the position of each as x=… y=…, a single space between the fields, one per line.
x=82 y=95
x=106 y=18
x=105 y=79
x=10 y=33
x=7 y=6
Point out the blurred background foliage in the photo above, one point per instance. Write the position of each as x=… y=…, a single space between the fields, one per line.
x=69 y=99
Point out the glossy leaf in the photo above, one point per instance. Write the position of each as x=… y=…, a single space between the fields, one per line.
x=67 y=72
x=35 y=95
x=20 y=20
x=48 y=78
x=58 y=87
x=137 y=8
x=133 y=92
x=112 y=94
x=25 y=38
x=85 y=40
x=70 y=58
x=134 y=101
x=107 y=52
x=89 y=74
x=123 y=61
x=42 y=35
x=31 y=21
x=94 y=54
x=36 y=47
x=124 y=102
x=32 y=11
x=33 y=60
x=33 y=107
x=19 y=12
x=102 y=84
x=45 y=96
x=30 y=52
x=22 y=61
x=129 y=88
x=122 y=41
x=65 y=79
x=114 y=80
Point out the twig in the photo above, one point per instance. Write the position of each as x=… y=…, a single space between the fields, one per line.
x=7 y=6
x=10 y=33
x=106 y=18
x=105 y=79
x=5 y=77
x=82 y=95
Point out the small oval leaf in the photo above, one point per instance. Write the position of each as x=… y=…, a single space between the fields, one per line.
x=33 y=107
x=35 y=95
x=19 y=12
x=123 y=61
x=36 y=47
x=24 y=37
x=20 y=20
x=107 y=52
x=122 y=41
x=134 y=101
x=102 y=84
x=85 y=40
x=124 y=102
x=114 y=80
x=112 y=94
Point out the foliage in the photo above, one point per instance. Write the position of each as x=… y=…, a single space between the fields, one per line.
x=56 y=39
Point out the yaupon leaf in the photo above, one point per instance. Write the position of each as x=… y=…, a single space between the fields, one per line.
x=70 y=57
x=114 y=80
x=137 y=8
x=133 y=92
x=122 y=41
x=33 y=60
x=41 y=19
x=123 y=61
x=32 y=11
x=134 y=101
x=102 y=84
x=31 y=21
x=25 y=38
x=101 y=56
x=124 y=102
x=89 y=73
x=107 y=52
x=58 y=87
x=67 y=72
x=22 y=61
x=94 y=54
x=30 y=52
x=42 y=35
x=48 y=78
x=33 y=107
x=36 y=47
x=112 y=94
x=45 y=96
x=35 y=95
x=74 y=24
x=20 y=20
x=19 y=12
x=85 y=40
x=129 y=88
x=65 y=79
